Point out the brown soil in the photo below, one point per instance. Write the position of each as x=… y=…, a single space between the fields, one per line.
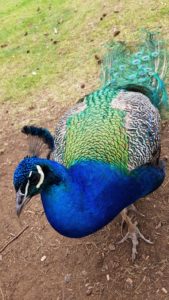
x=42 y=265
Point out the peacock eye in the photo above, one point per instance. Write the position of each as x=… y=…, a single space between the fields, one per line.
x=34 y=178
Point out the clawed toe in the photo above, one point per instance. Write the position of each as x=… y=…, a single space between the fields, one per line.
x=133 y=233
x=133 y=208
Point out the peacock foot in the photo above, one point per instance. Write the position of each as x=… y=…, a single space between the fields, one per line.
x=133 y=233
x=125 y=210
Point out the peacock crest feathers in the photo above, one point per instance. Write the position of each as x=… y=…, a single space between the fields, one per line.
x=39 y=140
x=145 y=68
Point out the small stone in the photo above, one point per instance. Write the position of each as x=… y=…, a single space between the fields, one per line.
x=104 y=267
x=43 y=258
x=129 y=282
x=164 y=290
x=82 y=86
x=111 y=247
x=87 y=283
x=108 y=277
x=84 y=273
x=67 y=278
x=89 y=291
x=34 y=73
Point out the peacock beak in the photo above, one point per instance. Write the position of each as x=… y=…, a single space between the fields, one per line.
x=21 y=201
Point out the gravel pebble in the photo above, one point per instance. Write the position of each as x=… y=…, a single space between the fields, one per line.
x=43 y=258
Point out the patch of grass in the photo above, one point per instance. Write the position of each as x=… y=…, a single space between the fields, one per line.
x=50 y=45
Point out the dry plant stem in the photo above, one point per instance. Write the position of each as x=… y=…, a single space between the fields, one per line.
x=14 y=238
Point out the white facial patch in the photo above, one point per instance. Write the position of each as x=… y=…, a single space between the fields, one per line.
x=30 y=174
x=42 y=176
x=26 y=189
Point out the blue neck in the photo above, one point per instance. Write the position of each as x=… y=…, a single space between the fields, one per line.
x=92 y=194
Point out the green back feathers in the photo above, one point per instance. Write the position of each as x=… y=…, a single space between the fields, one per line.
x=98 y=132
x=145 y=68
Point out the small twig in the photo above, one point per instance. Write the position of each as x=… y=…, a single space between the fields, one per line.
x=144 y=278
x=14 y=238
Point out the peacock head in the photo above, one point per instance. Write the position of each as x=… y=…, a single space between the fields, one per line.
x=33 y=172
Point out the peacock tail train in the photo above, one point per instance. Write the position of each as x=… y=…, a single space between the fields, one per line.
x=146 y=68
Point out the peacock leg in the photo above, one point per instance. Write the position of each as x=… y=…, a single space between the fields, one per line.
x=133 y=233
x=132 y=208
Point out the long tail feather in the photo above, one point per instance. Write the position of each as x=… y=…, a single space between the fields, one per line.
x=145 y=68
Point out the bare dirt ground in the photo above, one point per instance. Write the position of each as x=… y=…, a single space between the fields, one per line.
x=40 y=264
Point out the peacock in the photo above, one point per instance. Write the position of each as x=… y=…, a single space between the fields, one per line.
x=105 y=154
